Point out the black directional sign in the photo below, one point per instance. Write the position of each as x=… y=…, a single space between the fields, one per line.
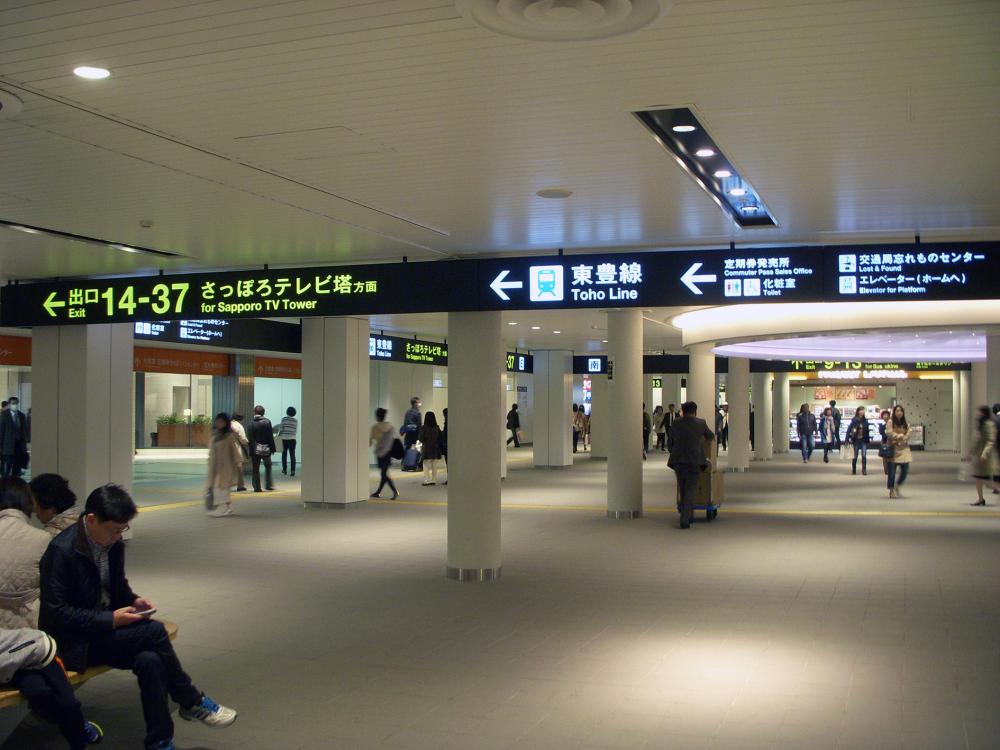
x=641 y=279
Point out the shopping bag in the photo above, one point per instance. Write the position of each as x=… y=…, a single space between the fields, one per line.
x=209 y=499
x=965 y=471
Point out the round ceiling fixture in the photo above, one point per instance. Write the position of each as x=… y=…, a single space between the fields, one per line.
x=91 y=73
x=563 y=20
x=555 y=193
x=10 y=105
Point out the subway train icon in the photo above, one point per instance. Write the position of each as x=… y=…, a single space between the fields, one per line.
x=545 y=283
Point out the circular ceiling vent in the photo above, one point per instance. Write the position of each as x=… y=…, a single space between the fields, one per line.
x=10 y=105
x=563 y=20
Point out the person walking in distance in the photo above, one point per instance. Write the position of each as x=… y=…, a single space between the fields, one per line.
x=897 y=434
x=984 y=452
x=444 y=440
x=381 y=438
x=647 y=430
x=513 y=424
x=688 y=458
x=669 y=417
x=884 y=417
x=576 y=424
x=225 y=465
x=837 y=416
x=658 y=428
x=13 y=439
x=827 y=433
x=241 y=435
x=430 y=448
x=805 y=426
x=412 y=422
x=261 y=448
x=288 y=431
x=857 y=436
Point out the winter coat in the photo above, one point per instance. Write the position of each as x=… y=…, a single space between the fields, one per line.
x=24 y=648
x=430 y=443
x=59 y=523
x=984 y=454
x=412 y=420
x=225 y=461
x=21 y=547
x=261 y=432
x=828 y=424
x=805 y=423
x=381 y=438
x=899 y=439
x=71 y=594
x=513 y=420
x=860 y=425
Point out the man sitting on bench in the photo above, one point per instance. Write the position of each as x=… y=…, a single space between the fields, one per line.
x=96 y=618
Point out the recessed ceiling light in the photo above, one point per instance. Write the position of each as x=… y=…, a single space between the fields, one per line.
x=604 y=341
x=704 y=152
x=124 y=248
x=684 y=128
x=555 y=193
x=512 y=322
x=26 y=230
x=721 y=173
x=738 y=192
x=536 y=328
x=90 y=73
x=557 y=332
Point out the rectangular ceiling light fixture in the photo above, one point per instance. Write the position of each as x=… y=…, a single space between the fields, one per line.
x=29 y=229
x=680 y=132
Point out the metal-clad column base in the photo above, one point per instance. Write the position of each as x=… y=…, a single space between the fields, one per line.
x=332 y=506
x=619 y=515
x=482 y=575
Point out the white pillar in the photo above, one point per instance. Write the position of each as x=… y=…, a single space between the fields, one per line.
x=956 y=411
x=979 y=386
x=553 y=381
x=763 y=418
x=82 y=406
x=965 y=412
x=624 y=415
x=992 y=369
x=672 y=391
x=781 y=407
x=335 y=384
x=475 y=363
x=502 y=424
x=701 y=381
x=738 y=398
x=598 y=416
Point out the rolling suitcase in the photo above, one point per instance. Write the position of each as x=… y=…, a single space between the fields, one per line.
x=411 y=461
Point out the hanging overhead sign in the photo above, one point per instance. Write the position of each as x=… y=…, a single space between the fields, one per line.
x=520 y=362
x=412 y=351
x=268 y=335
x=642 y=279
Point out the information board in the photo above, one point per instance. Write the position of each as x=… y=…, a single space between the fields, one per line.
x=413 y=351
x=266 y=335
x=520 y=362
x=640 y=279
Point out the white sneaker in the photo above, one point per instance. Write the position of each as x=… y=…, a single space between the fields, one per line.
x=209 y=713
x=224 y=510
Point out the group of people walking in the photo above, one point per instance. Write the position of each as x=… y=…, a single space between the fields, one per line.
x=418 y=429
x=66 y=603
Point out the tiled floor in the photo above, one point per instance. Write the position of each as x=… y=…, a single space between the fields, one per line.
x=763 y=630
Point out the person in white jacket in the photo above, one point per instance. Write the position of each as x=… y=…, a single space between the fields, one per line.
x=21 y=547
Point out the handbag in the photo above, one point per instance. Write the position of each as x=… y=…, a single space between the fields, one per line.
x=886 y=450
x=262 y=450
x=397 y=451
x=209 y=499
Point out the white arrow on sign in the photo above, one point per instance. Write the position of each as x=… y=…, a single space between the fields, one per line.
x=692 y=277
x=499 y=285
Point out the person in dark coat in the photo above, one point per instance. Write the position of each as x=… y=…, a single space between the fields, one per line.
x=805 y=426
x=513 y=424
x=412 y=422
x=430 y=447
x=858 y=436
x=688 y=458
x=13 y=439
x=262 y=447
x=96 y=618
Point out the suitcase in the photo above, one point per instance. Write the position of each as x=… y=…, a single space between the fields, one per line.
x=411 y=461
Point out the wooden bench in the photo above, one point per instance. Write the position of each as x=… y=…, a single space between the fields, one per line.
x=11 y=696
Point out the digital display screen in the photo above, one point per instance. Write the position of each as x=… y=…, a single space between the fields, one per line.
x=266 y=335
x=520 y=362
x=412 y=351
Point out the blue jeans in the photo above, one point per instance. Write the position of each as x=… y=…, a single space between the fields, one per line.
x=904 y=471
x=807 y=446
x=862 y=450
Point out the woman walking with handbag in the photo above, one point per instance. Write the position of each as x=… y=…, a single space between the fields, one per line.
x=857 y=436
x=897 y=437
x=225 y=467
x=827 y=433
x=984 y=453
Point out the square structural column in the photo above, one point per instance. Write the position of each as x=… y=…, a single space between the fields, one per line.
x=738 y=397
x=781 y=407
x=598 y=416
x=965 y=412
x=992 y=369
x=763 y=442
x=336 y=423
x=475 y=365
x=553 y=431
x=82 y=407
x=701 y=387
x=624 y=414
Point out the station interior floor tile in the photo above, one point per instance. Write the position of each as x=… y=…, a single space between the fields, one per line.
x=769 y=628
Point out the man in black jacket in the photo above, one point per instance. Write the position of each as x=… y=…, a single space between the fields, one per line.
x=513 y=424
x=687 y=458
x=13 y=439
x=96 y=618
x=261 y=439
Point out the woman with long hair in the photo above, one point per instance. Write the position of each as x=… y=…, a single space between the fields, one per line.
x=857 y=436
x=897 y=434
x=430 y=447
x=984 y=452
x=225 y=466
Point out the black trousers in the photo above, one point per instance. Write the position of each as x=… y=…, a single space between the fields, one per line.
x=576 y=439
x=145 y=649
x=288 y=449
x=687 y=488
x=513 y=438
x=268 y=480
x=384 y=462
x=661 y=438
x=50 y=695
x=645 y=440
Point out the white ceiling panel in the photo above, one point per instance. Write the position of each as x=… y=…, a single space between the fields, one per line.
x=314 y=131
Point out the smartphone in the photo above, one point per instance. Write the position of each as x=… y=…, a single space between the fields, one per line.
x=144 y=612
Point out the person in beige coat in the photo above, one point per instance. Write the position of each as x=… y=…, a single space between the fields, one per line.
x=225 y=466
x=897 y=434
x=984 y=452
x=21 y=549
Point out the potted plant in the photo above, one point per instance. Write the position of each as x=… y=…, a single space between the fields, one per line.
x=172 y=431
x=201 y=430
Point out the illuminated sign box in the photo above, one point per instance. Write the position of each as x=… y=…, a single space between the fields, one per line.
x=412 y=351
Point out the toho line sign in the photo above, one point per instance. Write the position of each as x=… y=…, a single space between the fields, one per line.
x=650 y=279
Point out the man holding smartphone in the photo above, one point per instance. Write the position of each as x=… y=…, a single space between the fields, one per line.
x=88 y=606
